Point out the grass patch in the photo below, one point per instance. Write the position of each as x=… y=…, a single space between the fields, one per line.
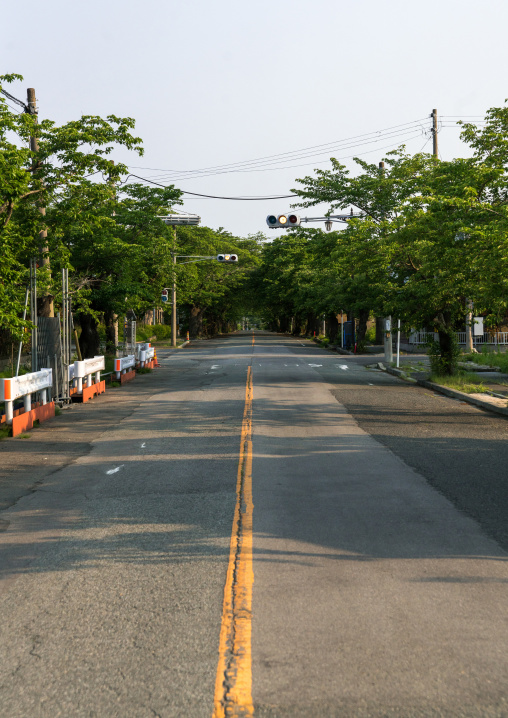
x=24 y=436
x=465 y=381
x=5 y=431
x=489 y=357
x=58 y=411
x=143 y=370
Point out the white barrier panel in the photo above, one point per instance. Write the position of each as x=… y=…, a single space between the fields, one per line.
x=24 y=386
x=141 y=347
x=124 y=363
x=87 y=367
x=150 y=353
x=71 y=372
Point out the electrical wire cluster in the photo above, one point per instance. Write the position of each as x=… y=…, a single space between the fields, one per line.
x=396 y=133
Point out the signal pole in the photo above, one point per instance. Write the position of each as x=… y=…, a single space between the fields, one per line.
x=173 y=294
x=434 y=133
x=47 y=308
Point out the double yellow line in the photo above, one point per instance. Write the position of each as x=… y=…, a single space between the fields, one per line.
x=233 y=685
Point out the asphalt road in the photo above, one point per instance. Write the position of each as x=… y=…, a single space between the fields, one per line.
x=378 y=545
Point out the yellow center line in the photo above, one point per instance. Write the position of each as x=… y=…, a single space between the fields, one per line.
x=233 y=684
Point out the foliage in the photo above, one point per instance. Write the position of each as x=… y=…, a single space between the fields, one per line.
x=443 y=365
x=145 y=332
x=462 y=381
x=108 y=235
x=489 y=357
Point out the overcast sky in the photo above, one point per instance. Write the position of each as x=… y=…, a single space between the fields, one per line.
x=217 y=83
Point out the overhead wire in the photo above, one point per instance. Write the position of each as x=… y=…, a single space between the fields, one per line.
x=210 y=196
x=14 y=99
x=296 y=154
x=256 y=198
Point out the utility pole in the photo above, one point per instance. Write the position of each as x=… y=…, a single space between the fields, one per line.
x=387 y=329
x=173 y=294
x=434 y=133
x=47 y=306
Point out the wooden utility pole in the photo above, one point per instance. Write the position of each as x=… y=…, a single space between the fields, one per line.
x=173 y=294
x=46 y=308
x=434 y=133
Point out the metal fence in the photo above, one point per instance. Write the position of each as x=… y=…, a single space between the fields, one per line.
x=487 y=338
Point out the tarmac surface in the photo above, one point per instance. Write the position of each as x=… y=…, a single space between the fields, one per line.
x=379 y=543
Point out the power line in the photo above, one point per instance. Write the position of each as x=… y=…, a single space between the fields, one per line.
x=14 y=99
x=265 y=166
x=288 y=155
x=210 y=196
x=378 y=149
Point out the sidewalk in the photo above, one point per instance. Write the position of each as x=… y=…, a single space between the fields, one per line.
x=26 y=463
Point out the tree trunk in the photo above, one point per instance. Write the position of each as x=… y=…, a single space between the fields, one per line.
x=195 y=322
x=363 y=318
x=447 y=344
x=380 y=330
x=89 y=340
x=446 y=347
x=332 y=326
x=312 y=325
x=111 y=320
x=284 y=324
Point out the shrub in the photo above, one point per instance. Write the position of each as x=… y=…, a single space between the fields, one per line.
x=444 y=365
x=370 y=335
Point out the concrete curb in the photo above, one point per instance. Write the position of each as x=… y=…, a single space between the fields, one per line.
x=452 y=393
x=397 y=372
x=339 y=350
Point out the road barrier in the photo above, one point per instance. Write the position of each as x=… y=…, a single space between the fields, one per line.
x=83 y=373
x=23 y=387
x=122 y=365
x=145 y=355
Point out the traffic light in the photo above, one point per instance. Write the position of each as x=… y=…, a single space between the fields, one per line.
x=227 y=258
x=164 y=295
x=283 y=221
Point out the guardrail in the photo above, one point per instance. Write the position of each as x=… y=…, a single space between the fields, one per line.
x=23 y=387
x=145 y=355
x=122 y=365
x=83 y=372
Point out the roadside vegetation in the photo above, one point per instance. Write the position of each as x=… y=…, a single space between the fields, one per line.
x=433 y=236
x=465 y=381
x=489 y=358
x=68 y=204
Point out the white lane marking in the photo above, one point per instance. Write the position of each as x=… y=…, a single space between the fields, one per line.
x=315 y=365
x=370 y=384
x=113 y=471
x=143 y=445
x=215 y=366
x=343 y=366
